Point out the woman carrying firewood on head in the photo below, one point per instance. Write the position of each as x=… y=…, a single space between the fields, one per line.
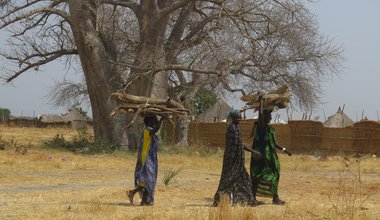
x=234 y=181
x=147 y=164
x=265 y=171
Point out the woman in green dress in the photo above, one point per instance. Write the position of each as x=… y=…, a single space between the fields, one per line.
x=265 y=171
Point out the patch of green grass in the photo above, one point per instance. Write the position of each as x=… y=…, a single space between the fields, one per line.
x=170 y=174
x=58 y=142
x=83 y=143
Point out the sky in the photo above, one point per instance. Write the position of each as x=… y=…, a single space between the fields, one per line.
x=352 y=24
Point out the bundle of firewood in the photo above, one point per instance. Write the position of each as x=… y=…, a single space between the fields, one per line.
x=276 y=99
x=144 y=106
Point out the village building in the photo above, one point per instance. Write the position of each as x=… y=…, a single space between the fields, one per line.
x=72 y=119
x=22 y=121
x=338 y=120
x=216 y=113
x=76 y=119
x=52 y=120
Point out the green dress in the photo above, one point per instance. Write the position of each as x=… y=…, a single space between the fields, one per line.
x=266 y=170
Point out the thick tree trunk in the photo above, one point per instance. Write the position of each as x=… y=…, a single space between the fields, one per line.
x=183 y=122
x=101 y=77
x=181 y=130
x=151 y=53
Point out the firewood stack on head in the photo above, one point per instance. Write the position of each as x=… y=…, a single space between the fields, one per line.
x=276 y=99
x=144 y=106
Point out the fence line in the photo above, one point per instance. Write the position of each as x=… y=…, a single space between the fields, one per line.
x=362 y=137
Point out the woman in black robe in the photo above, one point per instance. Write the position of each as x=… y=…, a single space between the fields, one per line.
x=235 y=181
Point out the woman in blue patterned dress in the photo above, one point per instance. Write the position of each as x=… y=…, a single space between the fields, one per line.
x=147 y=165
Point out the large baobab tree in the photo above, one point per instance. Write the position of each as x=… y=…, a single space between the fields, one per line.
x=248 y=46
x=147 y=45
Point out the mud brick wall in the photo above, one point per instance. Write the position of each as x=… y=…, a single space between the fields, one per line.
x=366 y=137
x=337 y=139
x=305 y=135
x=309 y=136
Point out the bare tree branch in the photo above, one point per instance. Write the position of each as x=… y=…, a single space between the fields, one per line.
x=33 y=12
x=173 y=7
x=123 y=3
x=68 y=93
x=17 y=8
x=48 y=57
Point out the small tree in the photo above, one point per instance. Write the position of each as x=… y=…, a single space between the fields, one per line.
x=204 y=99
x=5 y=115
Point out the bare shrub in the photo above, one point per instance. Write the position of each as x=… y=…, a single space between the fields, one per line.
x=21 y=149
x=2 y=143
x=350 y=193
x=320 y=155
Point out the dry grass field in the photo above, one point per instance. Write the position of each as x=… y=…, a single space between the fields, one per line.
x=55 y=184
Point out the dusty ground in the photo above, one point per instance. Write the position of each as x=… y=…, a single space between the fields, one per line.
x=51 y=184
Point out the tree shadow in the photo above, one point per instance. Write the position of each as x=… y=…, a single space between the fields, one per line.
x=118 y=204
x=106 y=203
x=209 y=201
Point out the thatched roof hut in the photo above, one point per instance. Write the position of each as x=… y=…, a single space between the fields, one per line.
x=51 y=119
x=216 y=113
x=22 y=121
x=73 y=115
x=338 y=120
x=76 y=119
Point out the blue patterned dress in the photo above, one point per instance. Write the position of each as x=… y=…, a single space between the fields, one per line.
x=147 y=165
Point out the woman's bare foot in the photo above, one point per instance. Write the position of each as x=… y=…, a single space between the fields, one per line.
x=130 y=195
x=257 y=202
x=278 y=201
x=145 y=203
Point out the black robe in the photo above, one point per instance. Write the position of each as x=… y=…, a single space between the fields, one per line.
x=234 y=181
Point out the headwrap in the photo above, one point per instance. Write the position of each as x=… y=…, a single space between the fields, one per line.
x=234 y=113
